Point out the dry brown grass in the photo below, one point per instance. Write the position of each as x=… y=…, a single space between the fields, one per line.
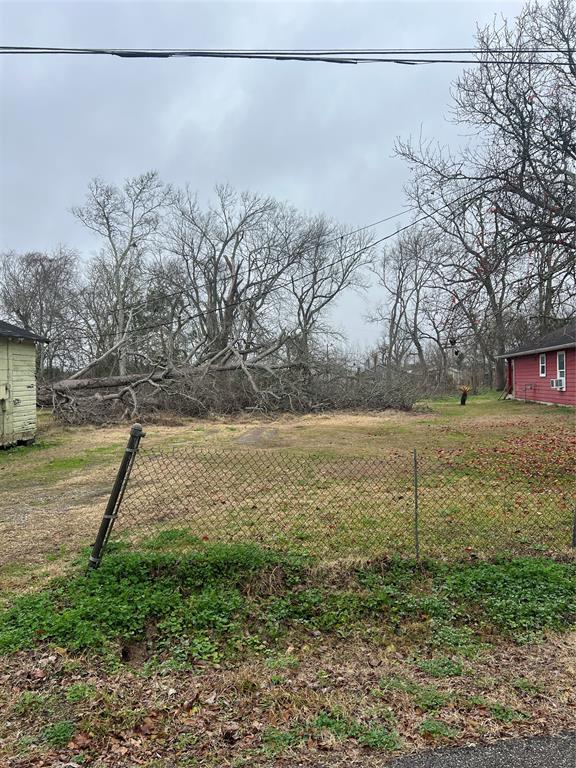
x=233 y=715
x=51 y=502
x=52 y=496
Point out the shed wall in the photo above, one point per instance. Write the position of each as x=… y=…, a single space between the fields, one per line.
x=18 y=384
x=529 y=385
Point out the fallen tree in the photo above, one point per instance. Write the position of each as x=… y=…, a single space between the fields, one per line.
x=230 y=388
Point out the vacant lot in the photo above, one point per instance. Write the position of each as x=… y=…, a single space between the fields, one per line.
x=240 y=655
x=492 y=472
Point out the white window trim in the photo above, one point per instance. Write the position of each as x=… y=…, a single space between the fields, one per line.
x=561 y=352
x=540 y=356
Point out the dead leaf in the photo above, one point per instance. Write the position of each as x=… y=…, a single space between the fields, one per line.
x=147 y=726
x=231 y=731
x=80 y=741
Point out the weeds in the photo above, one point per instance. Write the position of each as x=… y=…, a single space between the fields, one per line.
x=440 y=667
x=436 y=729
x=368 y=735
x=80 y=692
x=59 y=734
x=526 y=686
x=29 y=701
x=517 y=596
x=210 y=605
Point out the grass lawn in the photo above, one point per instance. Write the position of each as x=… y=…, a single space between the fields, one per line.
x=241 y=655
x=493 y=474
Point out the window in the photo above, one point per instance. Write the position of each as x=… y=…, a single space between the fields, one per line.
x=543 y=364
x=561 y=366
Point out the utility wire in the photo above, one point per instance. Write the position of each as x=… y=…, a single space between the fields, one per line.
x=404 y=56
x=240 y=275
x=279 y=51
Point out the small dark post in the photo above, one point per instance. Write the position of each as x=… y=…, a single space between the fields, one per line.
x=574 y=530
x=136 y=434
x=416 y=510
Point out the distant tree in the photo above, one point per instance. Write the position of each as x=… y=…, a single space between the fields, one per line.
x=506 y=203
x=40 y=291
x=407 y=272
x=330 y=260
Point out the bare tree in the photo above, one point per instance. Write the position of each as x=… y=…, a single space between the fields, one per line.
x=520 y=102
x=227 y=259
x=330 y=261
x=215 y=307
x=126 y=220
x=407 y=272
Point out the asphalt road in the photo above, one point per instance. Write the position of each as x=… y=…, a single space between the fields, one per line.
x=536 y=752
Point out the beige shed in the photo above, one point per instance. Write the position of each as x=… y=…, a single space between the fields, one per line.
x=17 y=384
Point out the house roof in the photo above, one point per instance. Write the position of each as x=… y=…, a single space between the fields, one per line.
x=558 y=339
x=14 y=332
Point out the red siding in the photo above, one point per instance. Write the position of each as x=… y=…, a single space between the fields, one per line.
x=529 y=385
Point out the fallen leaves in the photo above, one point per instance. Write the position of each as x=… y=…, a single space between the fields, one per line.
x=80 y=741
x=215 y=717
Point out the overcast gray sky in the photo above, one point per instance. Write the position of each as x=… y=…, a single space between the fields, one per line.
x=320 y=136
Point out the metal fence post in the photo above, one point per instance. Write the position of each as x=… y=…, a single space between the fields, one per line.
x=416 y=510
x=136 y=434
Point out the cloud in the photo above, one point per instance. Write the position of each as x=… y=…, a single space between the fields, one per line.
x=320 y=136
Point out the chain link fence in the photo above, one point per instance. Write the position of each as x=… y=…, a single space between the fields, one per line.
x=437 y=504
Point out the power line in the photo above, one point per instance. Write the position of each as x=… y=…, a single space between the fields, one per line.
x=405 y=56
x=310 y=51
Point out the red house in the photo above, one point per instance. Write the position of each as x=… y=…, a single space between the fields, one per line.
x=544 y=371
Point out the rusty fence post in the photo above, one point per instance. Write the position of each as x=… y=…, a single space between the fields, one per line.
x=116 y=494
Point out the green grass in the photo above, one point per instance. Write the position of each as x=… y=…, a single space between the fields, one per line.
x=440 y=667
x=527 y=686
x=436 y=729
x=222 y=600
x=342 y=728
x=28 y=702
x=80 y=692
x=426 y=697
x=17 y=452
x=497 y=711
x=59 y=734
x=59 y=466
x=276 y=741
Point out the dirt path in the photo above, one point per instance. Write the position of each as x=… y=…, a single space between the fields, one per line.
x=258 y=436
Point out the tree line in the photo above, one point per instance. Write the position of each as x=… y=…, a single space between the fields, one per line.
x=225 y=306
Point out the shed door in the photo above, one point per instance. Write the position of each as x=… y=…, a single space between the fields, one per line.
x=23 y=389
x=5 y=402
